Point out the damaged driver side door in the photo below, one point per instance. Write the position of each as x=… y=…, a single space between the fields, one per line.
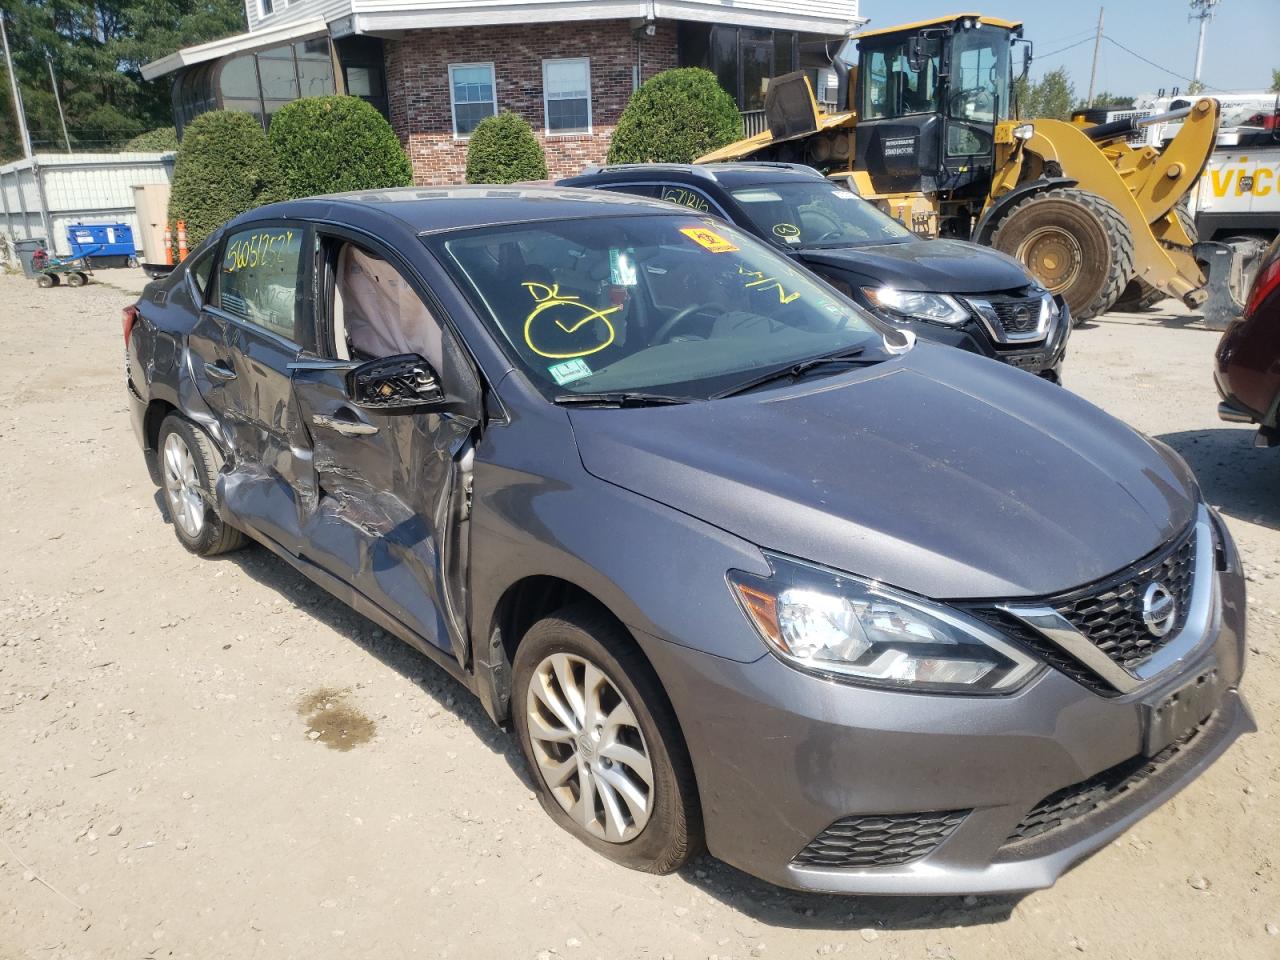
x=390 y=404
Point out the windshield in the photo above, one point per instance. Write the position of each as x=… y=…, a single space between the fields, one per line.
x=678 y=305
x=812 y=213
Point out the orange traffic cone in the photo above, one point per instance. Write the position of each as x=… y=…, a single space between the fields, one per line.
x=182 y=240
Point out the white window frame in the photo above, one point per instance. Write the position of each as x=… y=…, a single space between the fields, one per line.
x=546 y=100
x=453 y=112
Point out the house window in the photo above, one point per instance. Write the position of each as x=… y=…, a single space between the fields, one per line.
x=566 y=92
x=471 y=90
x=267 y=7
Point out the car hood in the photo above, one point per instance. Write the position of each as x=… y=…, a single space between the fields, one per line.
x=938 y=472
x=935 y=266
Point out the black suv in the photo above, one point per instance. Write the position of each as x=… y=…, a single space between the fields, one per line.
x=948 y=291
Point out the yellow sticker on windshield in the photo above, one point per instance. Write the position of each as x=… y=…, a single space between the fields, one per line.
x=708 y=240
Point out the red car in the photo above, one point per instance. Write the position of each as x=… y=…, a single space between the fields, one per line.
x=1248 y=359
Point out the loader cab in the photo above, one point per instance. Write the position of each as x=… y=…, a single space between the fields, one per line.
x=928 y=98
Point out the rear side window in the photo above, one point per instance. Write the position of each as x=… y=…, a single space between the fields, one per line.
x=200 y=272
x=259 y=275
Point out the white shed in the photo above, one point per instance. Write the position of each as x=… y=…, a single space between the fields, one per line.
x=41 y=197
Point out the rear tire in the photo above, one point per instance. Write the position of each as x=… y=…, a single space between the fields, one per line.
x=1138 y=295
x=75 y=279
x=188 y=477
x=1075 y=243
x=576 y=672
x=46 y=281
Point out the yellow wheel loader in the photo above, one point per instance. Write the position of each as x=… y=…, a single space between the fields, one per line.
x=930 y=133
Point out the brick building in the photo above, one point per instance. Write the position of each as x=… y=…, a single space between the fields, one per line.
x=435 y=68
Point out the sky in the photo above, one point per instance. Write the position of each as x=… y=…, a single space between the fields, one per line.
x=1241 y=47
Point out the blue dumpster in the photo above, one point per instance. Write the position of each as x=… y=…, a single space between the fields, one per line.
x=109 y=244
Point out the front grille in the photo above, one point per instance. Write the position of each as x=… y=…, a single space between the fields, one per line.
x=879 y=840
x=1017 y=316
x=1110 y=614
x=1070 y=804
x=1055 y=656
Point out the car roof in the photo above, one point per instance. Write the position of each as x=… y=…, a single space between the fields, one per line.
x=428 y=210
x=729 y=175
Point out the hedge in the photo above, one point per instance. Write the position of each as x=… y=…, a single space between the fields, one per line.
x=153 y=141
x=675 y=117
x=503 y=149
x=223 y=168
x=335 y=144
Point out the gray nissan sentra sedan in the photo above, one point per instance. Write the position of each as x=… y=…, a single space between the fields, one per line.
x=740 y=563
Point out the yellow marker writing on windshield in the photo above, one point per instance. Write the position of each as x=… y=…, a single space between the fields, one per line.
x=574 y=315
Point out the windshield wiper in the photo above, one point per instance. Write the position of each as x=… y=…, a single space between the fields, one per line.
x=619 y=399
x=794 y=371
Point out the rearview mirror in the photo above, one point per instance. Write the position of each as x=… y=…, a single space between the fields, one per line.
x=392 y=383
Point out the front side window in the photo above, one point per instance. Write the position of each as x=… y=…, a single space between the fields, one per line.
x=815 y=214
x=566 y=86
x=259 y=275
x=890 y=88
x=682 y=304
x=472 y=91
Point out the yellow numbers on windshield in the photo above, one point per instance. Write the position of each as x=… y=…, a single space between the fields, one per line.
x=757 y=280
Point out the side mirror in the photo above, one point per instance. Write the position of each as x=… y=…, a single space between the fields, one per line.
x=395 y=383
x=915 y=54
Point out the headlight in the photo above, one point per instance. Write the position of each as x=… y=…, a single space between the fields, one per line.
x=905 y=305
x=820 y=620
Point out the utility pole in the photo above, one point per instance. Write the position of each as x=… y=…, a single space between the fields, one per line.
x=23 y=135
x=1093 y=70
x=53 y=82
x=1201 y=10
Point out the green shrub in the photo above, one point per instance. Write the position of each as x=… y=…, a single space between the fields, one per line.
x=503 y=149
x=223 y=168
x=335 y=144
x=675 y=117
x=153 y=141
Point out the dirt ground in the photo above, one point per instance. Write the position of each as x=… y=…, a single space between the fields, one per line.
x=214 y=759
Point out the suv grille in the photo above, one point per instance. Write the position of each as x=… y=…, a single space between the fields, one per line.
x=1069 y=804
x=879 y=840
x=1018 y=316
x=1110 y=614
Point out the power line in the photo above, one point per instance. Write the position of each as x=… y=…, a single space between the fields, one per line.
x=1172 y=73
x=1052 y=53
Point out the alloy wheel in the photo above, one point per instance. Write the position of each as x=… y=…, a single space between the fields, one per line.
x=588 y=747
x=182 y=486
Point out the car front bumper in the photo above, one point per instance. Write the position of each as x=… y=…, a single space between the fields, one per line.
x=780 y=756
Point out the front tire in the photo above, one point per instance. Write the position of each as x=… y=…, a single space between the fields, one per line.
x=602 y=742
x=188 y=476
x=1075 y=243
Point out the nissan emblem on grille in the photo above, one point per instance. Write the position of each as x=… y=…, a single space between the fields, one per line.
x=1159 y=609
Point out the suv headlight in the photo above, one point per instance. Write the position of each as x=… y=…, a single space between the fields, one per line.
x=905 y=305
x=833 y=623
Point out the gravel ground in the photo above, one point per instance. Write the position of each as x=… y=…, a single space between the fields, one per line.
x=215 y=759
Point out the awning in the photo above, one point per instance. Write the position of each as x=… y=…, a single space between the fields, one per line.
x=240 y=43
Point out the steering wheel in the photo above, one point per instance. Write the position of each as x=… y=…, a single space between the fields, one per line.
x=981 y=98
x=663 y=333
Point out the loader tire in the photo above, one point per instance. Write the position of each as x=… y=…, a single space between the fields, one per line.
x=1075 y=243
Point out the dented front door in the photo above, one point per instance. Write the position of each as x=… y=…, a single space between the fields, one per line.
x=388 y=501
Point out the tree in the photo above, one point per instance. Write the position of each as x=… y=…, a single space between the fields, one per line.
x=1051 y=96
x=224 y=167
x=1195 y=87
x=332 y=144
x=675 y=117
x=1275 y=79
x=1106 y=99
x=503 y=149
x=97 y=48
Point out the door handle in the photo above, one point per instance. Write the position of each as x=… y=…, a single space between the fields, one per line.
x=348 y=428
x=218 y=372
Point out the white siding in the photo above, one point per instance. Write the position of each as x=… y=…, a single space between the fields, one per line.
x=78 y=188
x=819 y=15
